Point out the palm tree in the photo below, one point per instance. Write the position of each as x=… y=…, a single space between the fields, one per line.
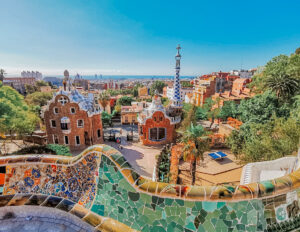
x=104 y=100
x=195 y=144
x=283 y=85
x=2 y=72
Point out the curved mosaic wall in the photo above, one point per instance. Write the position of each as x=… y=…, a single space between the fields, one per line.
x=100 y=187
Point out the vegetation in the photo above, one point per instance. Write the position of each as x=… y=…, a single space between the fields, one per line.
x=2 y=72
x=125 y=101
x=59 y=149
x=104 y=100
x=35 y=88
x=16 y=116
x=265 y=141
x=271 y=125
x=54 y=149
x=38 y=98
x=195 y=144
x=164 y=166
x=229 y=109
x=157 y=85
x=165 y=101
x=186 y=84
x=115 y=92
x=281 y=75
x=106 y=118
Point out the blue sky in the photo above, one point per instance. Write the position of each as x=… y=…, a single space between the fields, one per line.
x=139 y=37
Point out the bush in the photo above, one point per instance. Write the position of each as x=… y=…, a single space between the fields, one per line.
x=52 y=149
x=59 y=149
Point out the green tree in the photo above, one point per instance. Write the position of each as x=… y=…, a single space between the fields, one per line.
x=157 y=85
x=41 y=83
x=229 y=109
x=2 y=72
x=30 y=89
x=189 y=116
x=38 y=98
x=165 y=101
x=125 y=101
x=106 y=118
x=261 y=107
x=15 y=115
x=195 y=144
x=266 y=141
x=213 y=109
x=201 y=113
x=281 y=75
x=104 y=99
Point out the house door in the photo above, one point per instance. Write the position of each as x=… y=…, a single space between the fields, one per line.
x=86 y=138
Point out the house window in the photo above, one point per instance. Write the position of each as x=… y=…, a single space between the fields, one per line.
x=53 y=123
x=126 y=119
x=72 y=110
x=63 y=100
x=64 y=123
x=66 y=140
x=77 y=140
x=55 y=139
x=80 y=123
x=157 y=134
x=160 y=118
x=55 y=110
x=64 y=126
x=99 y=133
x=154 y=119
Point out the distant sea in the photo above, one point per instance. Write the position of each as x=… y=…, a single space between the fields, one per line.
x=126 y=77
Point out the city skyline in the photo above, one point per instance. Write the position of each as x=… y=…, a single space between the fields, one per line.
x=133 y=38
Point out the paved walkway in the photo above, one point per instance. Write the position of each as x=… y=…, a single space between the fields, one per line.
x=141 y=158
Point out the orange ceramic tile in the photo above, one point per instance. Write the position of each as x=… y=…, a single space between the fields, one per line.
x=2 y=178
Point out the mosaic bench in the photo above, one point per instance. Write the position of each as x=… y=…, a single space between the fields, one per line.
x=100 y=187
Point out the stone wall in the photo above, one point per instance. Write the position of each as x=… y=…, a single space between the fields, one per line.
x=100 y=187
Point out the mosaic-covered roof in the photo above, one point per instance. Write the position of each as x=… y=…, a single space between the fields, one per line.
x=86 y=103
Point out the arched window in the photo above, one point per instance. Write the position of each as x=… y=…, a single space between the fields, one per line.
x=64 y=123
x=157 y=134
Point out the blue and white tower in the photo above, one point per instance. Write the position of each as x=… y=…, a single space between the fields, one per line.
x=176 y=99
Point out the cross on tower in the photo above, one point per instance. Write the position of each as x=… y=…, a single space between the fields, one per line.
x=178 y=49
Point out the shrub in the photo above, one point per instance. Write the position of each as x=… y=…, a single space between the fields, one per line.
x=59 y=149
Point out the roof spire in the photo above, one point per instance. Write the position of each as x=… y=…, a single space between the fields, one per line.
x=176 y=99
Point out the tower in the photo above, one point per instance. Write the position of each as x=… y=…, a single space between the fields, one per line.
x=176 y=99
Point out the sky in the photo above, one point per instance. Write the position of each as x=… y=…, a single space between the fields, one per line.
x=136 y=37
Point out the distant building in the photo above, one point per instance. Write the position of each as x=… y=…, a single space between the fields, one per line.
x=129 y=114
x=203 y=90
x=54 y=80
x=238 y=92
x=46 y=89
x=19 y=83
x=81 y=83
x=34 y=74
x=73 y=119
x=242 y=73
x=143 y=91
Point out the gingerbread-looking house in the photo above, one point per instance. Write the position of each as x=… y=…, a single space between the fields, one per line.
x=155 y=124
x=73 y=119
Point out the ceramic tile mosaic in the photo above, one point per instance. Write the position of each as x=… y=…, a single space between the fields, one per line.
x=100 y=187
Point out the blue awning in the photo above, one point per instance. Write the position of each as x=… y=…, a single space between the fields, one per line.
x=217 y=155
